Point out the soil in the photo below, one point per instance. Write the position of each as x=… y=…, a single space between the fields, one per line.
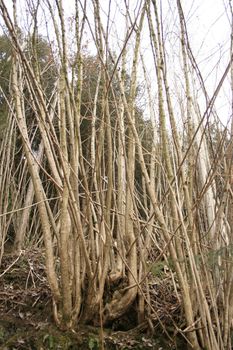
x=26 y=315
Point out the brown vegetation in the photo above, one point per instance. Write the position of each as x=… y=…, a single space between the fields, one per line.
x=132 y=217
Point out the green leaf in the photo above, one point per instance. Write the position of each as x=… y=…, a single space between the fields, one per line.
x=92 y=343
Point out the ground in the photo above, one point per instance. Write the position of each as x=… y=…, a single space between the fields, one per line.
x=26 y=315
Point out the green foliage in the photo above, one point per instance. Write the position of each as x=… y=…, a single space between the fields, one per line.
x=5 y=70
x=39 y=52
x=49 y=341
x=2 y=334
x=157 y=268
x=5 y=63
x=93 y=343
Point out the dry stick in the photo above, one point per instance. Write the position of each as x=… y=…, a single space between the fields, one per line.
x=30 y=206
x=12 y=264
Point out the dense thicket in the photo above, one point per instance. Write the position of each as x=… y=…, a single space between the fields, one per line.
x=123 y=206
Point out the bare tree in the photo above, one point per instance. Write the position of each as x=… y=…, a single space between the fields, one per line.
x=108 y=198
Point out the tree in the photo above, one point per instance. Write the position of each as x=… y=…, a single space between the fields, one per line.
x=111 y=188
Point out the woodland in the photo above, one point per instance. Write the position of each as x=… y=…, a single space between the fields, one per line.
x=116 y=179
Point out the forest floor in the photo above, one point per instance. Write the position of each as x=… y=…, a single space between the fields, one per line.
x=26 y=315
